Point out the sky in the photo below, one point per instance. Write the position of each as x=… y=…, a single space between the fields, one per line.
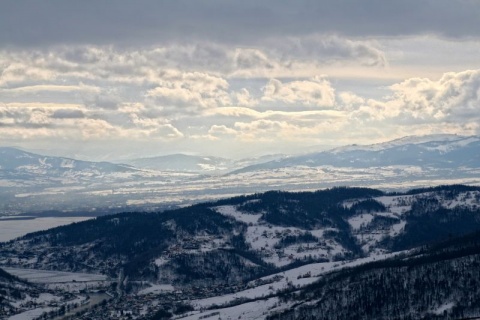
x=107 y=80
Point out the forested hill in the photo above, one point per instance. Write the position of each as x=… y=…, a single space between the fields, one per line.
x=251 y=235
x=302 y=250
x=436 y=282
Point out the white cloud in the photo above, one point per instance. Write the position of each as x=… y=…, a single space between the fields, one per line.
x=244 y=98
x=450 y=104
x=15 y=72
x=218 y=132
x=316 y=92
x=141 y=66
x=180 y=92
x=166 y=131
x=454 y=96
x=236 y=112
x=350 y=100
x=50 y=88
x=281 y=130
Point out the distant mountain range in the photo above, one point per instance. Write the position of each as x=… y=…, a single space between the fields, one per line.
x=22 y=164
x=30 y=181
x=183 y=162
x=442 y=151
x=439 y=151
x=198 y=164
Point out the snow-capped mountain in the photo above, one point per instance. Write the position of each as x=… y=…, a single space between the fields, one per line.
x=453 y=139
x=22 y=164
x=31 y=182
x=437 y=151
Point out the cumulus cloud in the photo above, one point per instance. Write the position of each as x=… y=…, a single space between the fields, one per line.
x=218 y=132
x=275 y=126
x=349 y=100
x=455 y=96
x=15 y=72
x=155 y=127
x=244 y=98
x=450 y=104
x=189 y=92
x=166 y=131
x=316 y=92
x=273 y=130
x=50 y=88
x=74 y=122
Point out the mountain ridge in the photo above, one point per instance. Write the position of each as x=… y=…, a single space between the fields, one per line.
x=411 y=150
x=17 y=159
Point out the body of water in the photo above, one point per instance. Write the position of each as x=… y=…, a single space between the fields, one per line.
x=14 y=228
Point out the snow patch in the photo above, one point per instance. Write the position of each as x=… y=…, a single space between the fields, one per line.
x=360 y=221
x=444 y=307
x=157 y=288
x=45 y=276
x=232 y=211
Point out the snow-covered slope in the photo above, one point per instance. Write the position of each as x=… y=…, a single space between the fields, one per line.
x=15 y=163
x=437 y=151
x=415 y=140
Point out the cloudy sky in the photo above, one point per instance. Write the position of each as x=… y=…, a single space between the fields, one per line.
x=110 y=79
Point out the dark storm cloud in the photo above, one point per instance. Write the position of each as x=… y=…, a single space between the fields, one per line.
x=33 y=22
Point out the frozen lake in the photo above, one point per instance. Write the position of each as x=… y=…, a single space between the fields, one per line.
x=11 y=229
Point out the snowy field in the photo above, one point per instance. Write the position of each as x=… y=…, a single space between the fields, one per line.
x=30 y=314
x=45 y=276
x=157 y=288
